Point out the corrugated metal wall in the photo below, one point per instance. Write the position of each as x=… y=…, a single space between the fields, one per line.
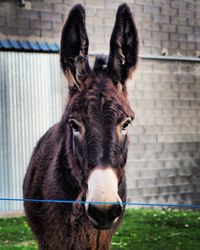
x=30 y=102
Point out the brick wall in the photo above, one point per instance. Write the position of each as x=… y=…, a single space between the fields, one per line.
x=164 y=155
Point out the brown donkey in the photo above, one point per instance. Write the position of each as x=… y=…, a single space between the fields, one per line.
x=83 y=156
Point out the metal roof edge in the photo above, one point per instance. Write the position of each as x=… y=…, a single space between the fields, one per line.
x=47 y=47
x=28 y=46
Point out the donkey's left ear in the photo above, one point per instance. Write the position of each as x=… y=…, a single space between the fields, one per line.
x=123 y=47
x=74 y=48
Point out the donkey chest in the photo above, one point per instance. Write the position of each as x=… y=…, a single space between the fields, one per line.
x=79 y=234
x=82 y=239
x=89 y=240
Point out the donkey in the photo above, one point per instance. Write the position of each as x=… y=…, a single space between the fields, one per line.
x=83 y=156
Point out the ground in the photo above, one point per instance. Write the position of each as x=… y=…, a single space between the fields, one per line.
x=144 y=229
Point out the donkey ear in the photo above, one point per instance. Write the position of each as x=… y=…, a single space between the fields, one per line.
x=123 y=46
x=74 y=48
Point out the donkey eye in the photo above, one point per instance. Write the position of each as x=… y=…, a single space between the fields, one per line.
x=125 y=125
x=75 y=126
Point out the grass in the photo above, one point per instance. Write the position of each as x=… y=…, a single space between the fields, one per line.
x=148 y=229
x=15 y=234
x=141 y=229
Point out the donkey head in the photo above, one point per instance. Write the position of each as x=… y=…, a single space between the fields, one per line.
x=98 y=112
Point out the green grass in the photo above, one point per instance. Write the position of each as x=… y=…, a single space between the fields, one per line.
x=147 y=229
x=143 y=229
x=15 y=234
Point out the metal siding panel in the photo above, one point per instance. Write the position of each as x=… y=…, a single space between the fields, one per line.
x=4 y=159
x=5 y=135
x=30 y=86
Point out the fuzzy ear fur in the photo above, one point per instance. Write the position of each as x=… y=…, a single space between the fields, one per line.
x=123 y=46
x=74 y=48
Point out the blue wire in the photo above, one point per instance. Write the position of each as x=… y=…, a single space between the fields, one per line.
x=103 y=203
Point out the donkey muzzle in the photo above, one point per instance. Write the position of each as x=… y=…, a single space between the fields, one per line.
x=103 y=202
x=104 y=219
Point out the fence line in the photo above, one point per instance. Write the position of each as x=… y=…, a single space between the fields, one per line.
x=192 y=206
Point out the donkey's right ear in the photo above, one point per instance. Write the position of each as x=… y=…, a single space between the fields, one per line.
x=74 y=48
x=123 y=47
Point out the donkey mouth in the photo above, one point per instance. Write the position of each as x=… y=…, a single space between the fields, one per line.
x=101 y=225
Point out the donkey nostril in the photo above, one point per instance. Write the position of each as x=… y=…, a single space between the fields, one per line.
x=92 y=211
x=115 y=211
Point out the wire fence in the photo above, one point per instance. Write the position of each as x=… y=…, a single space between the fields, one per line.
x=190 y=206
